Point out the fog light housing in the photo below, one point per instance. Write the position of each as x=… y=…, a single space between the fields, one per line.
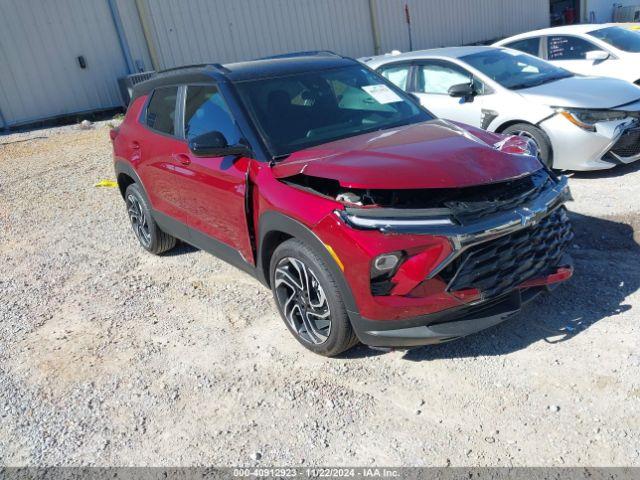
x=383 y=267
x=385 y=264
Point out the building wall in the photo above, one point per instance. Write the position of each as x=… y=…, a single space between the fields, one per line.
x=603 y=9
x=197 y=31
x=134 y=34
x=456 y=22
x=40 y=41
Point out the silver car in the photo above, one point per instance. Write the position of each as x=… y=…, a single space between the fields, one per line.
x=577 y=122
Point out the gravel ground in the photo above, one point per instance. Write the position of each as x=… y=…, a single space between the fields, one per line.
x=111 y=356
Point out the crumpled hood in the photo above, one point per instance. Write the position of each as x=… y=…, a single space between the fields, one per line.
x=434 y=154
x=583 y=92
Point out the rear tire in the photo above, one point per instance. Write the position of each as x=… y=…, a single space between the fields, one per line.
x=149 y=234
x=545 y=152
x=309 y=300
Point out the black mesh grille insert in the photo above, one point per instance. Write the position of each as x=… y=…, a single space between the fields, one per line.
x=500 y=265
x=629 y=144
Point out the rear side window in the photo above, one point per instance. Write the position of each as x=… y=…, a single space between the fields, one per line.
x=396 y=74
x=528 y=45
x=206 y=111
x=568 y=48
x=161 y=110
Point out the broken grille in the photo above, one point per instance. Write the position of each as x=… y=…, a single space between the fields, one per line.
x=502 y=264
x=497 y=198
x=628 y=145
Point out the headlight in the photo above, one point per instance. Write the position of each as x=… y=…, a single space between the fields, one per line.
x=587 y=119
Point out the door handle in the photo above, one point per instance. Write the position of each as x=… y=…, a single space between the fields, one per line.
x=135 y=145
x=183 y=158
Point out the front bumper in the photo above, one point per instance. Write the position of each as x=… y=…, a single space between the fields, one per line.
x=514 y=247
x=578 y=149
x=456 y=322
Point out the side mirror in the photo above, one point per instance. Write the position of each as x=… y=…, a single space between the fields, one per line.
x=214 y=144
x=462 y=90
x=597 y=55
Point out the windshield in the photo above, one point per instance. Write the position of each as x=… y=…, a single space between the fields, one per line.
x=621 y=38
x=514 y=70
x=303 y=110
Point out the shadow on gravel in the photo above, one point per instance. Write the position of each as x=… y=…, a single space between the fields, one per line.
x=607 y=270
x=617 y=171
x=180 y=249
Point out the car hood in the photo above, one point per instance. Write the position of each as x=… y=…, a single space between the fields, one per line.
x=583 y=92
x=434 y=154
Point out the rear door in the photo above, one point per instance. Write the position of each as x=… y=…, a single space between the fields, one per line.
x=215 y=187
x=161 y=174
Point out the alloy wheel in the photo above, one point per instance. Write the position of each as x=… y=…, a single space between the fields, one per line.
x=302 y=300
x=139 y=220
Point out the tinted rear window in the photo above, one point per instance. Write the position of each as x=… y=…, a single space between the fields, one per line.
x=161 y=110
x=528 y=45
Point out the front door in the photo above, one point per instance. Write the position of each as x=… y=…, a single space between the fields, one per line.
x=432 y=81
x=216 y=186
x=570 y=52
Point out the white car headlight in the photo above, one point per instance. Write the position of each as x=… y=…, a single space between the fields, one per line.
x=587 y=119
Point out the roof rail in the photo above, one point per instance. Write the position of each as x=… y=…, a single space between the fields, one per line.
x=216 y=66
x=310 y=53
x=181 y=67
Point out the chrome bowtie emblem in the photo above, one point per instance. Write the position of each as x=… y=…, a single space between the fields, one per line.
x=527 y=216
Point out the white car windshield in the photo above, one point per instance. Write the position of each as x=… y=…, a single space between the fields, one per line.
x=621 y=38
x=514 y=70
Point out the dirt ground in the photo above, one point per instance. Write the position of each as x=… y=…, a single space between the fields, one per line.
x=112 y=356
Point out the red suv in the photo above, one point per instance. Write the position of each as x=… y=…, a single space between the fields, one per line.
x=370 y=219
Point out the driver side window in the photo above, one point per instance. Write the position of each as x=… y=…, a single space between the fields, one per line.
x=438 y=77
x=205 y=111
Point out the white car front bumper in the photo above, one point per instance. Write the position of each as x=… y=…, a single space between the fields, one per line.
x=611 y=144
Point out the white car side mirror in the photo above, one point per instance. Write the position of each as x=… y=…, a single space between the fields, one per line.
x=597 y=55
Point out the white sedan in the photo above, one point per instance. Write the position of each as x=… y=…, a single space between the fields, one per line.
x=608 y=50
x=577 y=122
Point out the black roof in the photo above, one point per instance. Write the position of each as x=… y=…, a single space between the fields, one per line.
x=283 y=65
x=237 y=72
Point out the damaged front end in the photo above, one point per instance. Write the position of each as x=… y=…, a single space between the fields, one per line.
x=501 y=235
x=419 y=241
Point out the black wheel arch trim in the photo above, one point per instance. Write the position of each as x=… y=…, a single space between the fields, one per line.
x=271 y=222
x=122 y=167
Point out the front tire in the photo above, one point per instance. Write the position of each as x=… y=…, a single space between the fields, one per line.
x=308 y=299
x=144 y=226
x=545 y=153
